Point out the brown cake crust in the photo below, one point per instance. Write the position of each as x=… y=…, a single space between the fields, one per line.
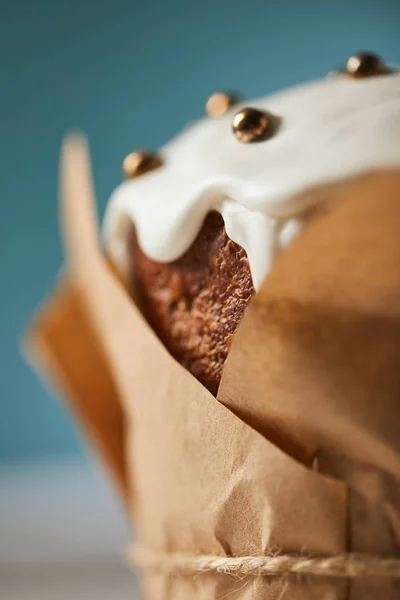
x=195 y=303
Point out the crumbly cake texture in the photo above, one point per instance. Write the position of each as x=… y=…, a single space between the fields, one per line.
x=195 y=303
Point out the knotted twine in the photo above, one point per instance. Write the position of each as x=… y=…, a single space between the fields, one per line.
x=343 y=565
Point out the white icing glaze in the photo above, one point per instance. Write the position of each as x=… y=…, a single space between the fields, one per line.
x=331 y=129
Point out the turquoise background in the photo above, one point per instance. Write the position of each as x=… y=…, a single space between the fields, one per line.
x=130 y=74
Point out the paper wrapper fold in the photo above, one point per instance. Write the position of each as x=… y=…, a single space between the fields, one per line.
x=299 y=453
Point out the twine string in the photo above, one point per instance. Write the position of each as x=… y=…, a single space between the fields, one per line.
x=343 y=565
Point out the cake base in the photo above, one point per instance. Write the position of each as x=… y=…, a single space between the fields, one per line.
x=195 y=303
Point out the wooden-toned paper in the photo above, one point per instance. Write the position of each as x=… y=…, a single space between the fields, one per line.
x=299 y=452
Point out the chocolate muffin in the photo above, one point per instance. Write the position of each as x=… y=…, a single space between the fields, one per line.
x=196 y=302
x=215 y=207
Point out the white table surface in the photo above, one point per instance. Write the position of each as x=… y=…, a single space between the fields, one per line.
x=63 y=535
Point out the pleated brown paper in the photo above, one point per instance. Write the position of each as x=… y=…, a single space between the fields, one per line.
x=298 y=455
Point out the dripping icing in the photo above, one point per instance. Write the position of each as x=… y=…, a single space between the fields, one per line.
x=331 y=130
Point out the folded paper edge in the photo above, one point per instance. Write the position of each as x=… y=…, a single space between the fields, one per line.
x=46 y=345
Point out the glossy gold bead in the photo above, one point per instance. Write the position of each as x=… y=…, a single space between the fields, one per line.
x=219 y=103
x=253 y=125
x=365 y=64
x=140 y=162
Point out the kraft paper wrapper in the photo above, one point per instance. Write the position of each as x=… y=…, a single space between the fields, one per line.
x=299 y=453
